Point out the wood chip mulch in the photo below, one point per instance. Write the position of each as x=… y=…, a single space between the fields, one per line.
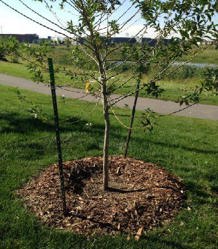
x=141 y=196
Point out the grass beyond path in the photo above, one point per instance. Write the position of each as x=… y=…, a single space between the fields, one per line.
x=208 y=55
x=173 y=88
x=185 y=147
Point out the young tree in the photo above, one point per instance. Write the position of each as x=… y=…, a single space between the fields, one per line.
x=187 y=22
x=94 y=23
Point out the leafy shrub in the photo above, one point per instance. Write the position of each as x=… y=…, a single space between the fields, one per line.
x=9 y=49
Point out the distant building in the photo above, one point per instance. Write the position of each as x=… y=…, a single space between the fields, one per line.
x=130 y=40
x=150 y=41
x=29 y=38
x=207 y=42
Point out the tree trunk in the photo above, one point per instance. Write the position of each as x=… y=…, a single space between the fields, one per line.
x=104 y=95
x=132 y=118
x=106 y=138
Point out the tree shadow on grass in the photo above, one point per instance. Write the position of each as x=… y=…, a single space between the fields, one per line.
x=169 y=243
x=200 y=195
x=186 y=148
x=13 y=122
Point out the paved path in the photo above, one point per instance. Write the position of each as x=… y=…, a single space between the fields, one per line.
x=159 y=106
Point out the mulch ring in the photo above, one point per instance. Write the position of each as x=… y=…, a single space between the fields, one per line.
x=141 y=196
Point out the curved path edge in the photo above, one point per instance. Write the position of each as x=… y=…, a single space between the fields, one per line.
x=159 y=106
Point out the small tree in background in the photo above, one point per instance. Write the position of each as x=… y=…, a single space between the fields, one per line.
x=185 y=22
x=9 y=49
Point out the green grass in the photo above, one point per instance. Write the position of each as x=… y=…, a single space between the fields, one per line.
x=20 y=70
x=186 y=147
x=14 y=69
x=208 y=55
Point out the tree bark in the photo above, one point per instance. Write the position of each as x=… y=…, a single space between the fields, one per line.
x=104 y=95
x=106 y=138
x=106 y=107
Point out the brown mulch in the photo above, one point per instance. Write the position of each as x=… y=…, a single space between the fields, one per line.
x=141 y=196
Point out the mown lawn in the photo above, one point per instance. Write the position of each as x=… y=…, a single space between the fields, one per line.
x=186 y=147
x=174 y=88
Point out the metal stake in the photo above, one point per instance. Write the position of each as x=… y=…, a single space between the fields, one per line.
x=57 y=129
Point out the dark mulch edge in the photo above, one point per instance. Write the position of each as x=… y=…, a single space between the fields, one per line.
x=142 y=196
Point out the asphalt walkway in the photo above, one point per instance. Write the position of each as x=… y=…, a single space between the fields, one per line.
x=159 y=106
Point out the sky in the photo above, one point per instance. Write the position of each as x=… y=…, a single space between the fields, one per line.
x=13 y=23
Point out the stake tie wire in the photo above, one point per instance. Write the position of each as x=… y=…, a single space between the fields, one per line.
x=122 y=123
